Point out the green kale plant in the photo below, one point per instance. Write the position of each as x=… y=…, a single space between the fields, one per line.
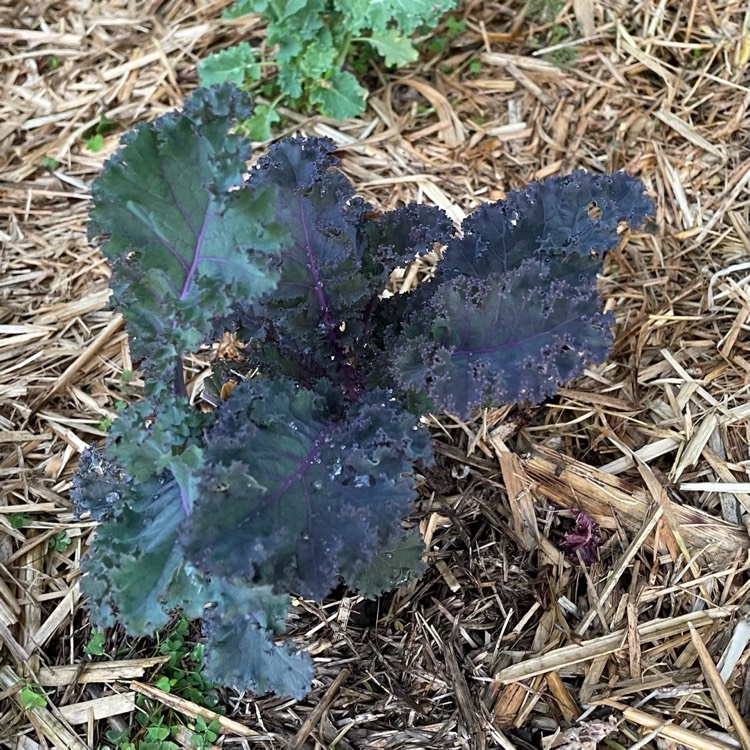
x=310 y=43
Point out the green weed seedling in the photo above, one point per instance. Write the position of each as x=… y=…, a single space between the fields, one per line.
x=204 y=735
x=543 y=11
x=19 y=521
x=93 y=138
x=565 y=56
x=59 y=542
x=31 y=696
x=95 y=646
x=182 y=672
x=181 y=675
x=453 y=27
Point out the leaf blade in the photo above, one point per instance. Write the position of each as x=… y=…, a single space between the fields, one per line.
x=306 y=492
x=182 y=240
x=505 y=339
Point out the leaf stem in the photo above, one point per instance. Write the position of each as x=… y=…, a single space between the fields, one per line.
x=344 y=51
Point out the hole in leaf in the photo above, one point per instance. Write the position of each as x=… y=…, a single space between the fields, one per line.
x=594 y=211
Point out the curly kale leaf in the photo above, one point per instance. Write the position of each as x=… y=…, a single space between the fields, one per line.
x=296 y=492
x=321 y=282
x=233 y=65
x=513 y=310
x=239 y=627
x=297 y=329
x=133 y=571
x=397 y=565
x=336 y=263
x=400 y=236
x=148 y=438
x=501 y=339
x=408 y=15
x=183 y=242
x=136 y=574
x=574 y=214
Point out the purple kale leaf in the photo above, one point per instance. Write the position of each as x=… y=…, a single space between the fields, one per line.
x=577 y=213
x=240 y=626
x=321 y=282
x=514 y=310
x=133 y=569
x=135 y=574
x=398 y=237
x=395 y=565
x=333 y=267
x=297 y=491
x=501 y=339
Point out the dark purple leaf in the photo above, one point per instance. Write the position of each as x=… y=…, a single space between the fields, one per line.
x=584 y=537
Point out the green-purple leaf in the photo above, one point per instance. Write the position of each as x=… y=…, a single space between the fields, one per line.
x=296 y=492
x=184 y=243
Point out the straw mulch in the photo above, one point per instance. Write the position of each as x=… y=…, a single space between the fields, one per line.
x=508 y=641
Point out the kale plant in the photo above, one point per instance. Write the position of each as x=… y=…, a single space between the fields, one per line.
x=312 y=42
x=302 y=473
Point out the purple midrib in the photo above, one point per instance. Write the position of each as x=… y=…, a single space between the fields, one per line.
x=304 y=464
x=514 y=342
x=317 y=281
x=196 y=257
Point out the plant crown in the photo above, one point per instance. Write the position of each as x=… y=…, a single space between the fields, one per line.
x=312 y=42
x=303 y=472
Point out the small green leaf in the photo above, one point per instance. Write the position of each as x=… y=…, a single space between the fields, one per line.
x=340 y=97
x=95 y=142
x=95 y=646
x=116 y=736
x=437 y=45
x=49 y=163
x=159 y=734
x=394 y=47
x=30 y=698
x=236 y=64
x=59 y=542
x=289 y=79
x=242 y=8
x=454 y=26
x=257 y=127
x=19 y=521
